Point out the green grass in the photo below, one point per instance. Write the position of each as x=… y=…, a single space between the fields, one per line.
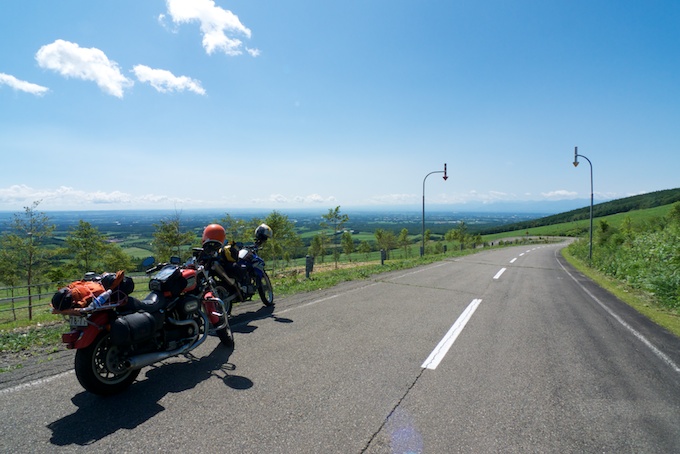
x=638 y=300
x=638 y=217
x=20 y=339
x=137 y=252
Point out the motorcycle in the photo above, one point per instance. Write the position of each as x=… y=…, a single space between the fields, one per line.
x=251 y=279
x=115 y=338
x=257 y=279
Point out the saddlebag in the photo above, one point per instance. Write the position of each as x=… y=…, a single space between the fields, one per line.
x=135 y=328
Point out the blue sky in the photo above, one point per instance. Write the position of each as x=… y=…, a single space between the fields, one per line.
x=185 y=104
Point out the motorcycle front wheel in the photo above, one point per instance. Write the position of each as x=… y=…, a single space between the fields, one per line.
x=100 y=367
x=226 y=336
x=225 y=296
x=264 y=288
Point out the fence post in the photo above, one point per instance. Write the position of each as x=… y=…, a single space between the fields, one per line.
x=14 y=312
x=309 y=265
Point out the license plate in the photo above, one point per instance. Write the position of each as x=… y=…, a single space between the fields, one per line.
x=75 y=320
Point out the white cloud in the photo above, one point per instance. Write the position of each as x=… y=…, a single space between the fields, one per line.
x=560 y=194
x=91 y=64
x=395 y=199
x=314 y=199
x=65 y=197
x=21 y=85
x=217 y=25
x=280 y=199
x=164 y=81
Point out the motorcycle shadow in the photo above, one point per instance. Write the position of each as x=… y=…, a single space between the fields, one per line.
x=240 y=323
x=98 y=417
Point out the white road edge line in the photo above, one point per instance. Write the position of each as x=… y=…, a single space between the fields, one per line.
x=40 y=382
x=498 y=275
x=447 y=341
x=513 y=260
x=661 y=355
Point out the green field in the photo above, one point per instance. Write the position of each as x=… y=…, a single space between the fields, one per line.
x=137 y=252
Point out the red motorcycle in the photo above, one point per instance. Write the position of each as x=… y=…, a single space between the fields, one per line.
x=115 y=336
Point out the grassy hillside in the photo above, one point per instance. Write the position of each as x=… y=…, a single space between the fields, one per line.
x=581 y=227
x=619 y=206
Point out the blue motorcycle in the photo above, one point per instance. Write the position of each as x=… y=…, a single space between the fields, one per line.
x=255 y=278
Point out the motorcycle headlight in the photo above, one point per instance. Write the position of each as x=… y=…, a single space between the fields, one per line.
x=155 y=284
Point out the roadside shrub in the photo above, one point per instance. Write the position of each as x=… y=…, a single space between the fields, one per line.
x=646 y=258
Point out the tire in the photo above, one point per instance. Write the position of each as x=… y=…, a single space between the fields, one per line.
x=264 y=288
x=223 y=294
x=226 y=336
x=99 y=367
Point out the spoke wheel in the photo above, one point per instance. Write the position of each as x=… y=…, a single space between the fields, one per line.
x=264 y=288
x=100 y=367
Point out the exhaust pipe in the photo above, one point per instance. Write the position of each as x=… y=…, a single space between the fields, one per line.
x=139 y=361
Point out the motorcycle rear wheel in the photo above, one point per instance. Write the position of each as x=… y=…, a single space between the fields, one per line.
x=264 y=288
x=99 y=367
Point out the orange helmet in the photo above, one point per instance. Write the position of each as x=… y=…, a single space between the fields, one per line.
x=214 y=233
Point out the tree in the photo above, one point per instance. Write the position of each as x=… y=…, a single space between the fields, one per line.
x=24 y=247
x=91 y=252
x=168 y=238
x=9 y=272
x=284 y=239
x=319 y=246
x=365 y=248
x=451 y=235
x=316 y=248
x=87 y=245
x=404 y=241
x=478 y=239
x=116 y=259
x=237 y=230
x=386 y=240
x=461 y=233
x=347 y=244
x=674 y=214
x=428 y=236
x=336 y=220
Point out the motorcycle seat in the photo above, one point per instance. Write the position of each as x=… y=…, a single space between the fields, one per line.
x=151 y=303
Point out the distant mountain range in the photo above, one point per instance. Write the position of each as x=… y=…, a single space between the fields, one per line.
x=539 y=207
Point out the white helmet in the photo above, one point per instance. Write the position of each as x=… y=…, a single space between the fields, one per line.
x=262 y=233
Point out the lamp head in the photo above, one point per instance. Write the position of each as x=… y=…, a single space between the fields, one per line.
x=575 y=156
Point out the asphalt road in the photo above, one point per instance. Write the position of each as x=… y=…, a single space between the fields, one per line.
x=507 y=350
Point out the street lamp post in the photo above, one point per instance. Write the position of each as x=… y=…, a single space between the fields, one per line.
x=576 y=156
x=422 y=248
